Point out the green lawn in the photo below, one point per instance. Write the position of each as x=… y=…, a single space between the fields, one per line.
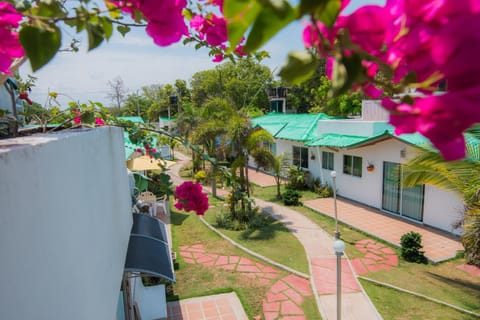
x=265 y=241
x=441 y=281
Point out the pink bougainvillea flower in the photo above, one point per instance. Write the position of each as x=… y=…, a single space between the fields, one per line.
x=211 y=28
x=190 y=197
x=218 y=58
x=99 y=122
x=10 y=47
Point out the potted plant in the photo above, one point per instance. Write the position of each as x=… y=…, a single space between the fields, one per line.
x=370 y=167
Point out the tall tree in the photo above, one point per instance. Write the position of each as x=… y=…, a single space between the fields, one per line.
x=117 y=91
x=242 y=83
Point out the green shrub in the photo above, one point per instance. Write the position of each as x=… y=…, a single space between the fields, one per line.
x=200 y=176
x=297 y=178
x=323 y=190
x=291 y=197
x=411 y=244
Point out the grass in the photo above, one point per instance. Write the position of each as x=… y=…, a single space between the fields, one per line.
x=441 y=281
x=265 y=241
x=197 y=280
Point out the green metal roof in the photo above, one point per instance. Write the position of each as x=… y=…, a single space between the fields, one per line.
x=298 y=127
x=134 y=119
x=335 y=140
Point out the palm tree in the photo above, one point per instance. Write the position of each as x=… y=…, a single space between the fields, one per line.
x=461 y=177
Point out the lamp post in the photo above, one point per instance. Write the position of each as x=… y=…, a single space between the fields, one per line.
x=333 y=174
x=339 y=247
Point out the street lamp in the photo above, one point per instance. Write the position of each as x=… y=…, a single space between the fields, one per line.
x=333 y=174
x=339 y=247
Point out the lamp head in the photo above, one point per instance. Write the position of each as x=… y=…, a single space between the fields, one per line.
x=339 y=246
x=333 y=174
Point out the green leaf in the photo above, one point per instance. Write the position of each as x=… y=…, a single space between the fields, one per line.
x=300 y=66
x=329 y=12
x=270 y=20
x=50 y=9
x=95 y=36
x=239 y=14
x=40 y=44
x=123 y=30
x=324 y=10
x=346 y=71
x=107 y=27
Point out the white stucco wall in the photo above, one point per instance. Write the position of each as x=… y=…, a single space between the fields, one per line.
x=443 y=209
x=351 y=127
x=64 y=225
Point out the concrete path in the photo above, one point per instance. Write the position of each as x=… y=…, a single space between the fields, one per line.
x=319 y=249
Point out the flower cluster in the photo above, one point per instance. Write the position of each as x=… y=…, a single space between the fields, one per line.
x=190 y=197
x=435 y=40
x=166 y=24
x=10 y=47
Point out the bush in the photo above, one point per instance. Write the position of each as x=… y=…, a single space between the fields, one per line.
x=411 y=244
x=290 y=197
x=297 y=178
x=323 y=190
x=200 y=176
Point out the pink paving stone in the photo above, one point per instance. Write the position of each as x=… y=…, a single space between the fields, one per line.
x=229 y=266
x=250 y=275
x=270 y=275
x=472 y=270
x=197 y=248
x=299 y=284
x=205 y=259
x=373 y=257
x=391 y=260
x=387 y=250
x=272 y=297
x=234 y=259
x=294 y=318
x=375 y=246
x=365 y=241
x=246 y=261
x=186 y=254
x=368 y=261
x=270 y=315
x=198 y=255
x=222 y=260
x=247 y=268
x=209 y=264
x=358 y=266
x=374 y=268
x=188 y=260
x=288 y=307
x=279 y=286
x=361 y=248
x=263 y=281
x=294 y=296
x=183 y=248
x=271 y=270
x=271 y=306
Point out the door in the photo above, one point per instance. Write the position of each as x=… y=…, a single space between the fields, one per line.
x=407 y=202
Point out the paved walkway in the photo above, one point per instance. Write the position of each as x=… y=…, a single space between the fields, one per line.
x=438 y=246
x=224 y=306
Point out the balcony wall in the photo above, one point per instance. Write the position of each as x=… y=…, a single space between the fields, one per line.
x=65 y=221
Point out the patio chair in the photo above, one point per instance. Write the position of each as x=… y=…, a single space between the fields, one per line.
x=150 y=198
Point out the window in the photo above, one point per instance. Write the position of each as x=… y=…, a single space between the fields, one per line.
x=327 y=160
x=300 y=157
x=270 y=146
x=352 y=165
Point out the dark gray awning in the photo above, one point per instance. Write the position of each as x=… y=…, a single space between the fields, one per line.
x=148 y=250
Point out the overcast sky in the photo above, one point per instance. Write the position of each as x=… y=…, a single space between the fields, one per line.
x=139 y=62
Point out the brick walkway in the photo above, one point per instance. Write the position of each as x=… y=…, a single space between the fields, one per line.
x=438 y=246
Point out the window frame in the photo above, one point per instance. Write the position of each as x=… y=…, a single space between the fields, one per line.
x=352 y=165
x=302 y=157
x=328 y=160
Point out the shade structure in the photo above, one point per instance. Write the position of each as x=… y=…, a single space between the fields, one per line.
x=148 y=250
x=145 y=163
